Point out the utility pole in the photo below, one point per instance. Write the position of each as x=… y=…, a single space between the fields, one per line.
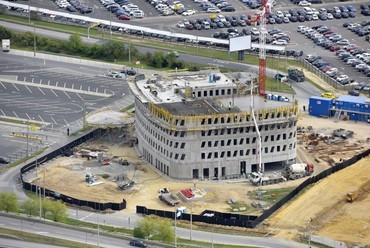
x=29 y=12
x=191 y=220
x=34 y=39
x=175 y=227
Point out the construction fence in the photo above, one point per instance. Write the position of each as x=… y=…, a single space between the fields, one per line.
x=250 y=221
x=207 y=216
x=100 y=206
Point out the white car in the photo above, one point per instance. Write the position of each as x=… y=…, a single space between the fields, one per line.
x=343 y=42
x=222 y=18
x=180 y=24
x=330 y=16
x=188 y=12
x=332 y=71
x=315 y=17
x=280 y=42
x=255 y=31
x=213 y=10
x=304 y=3
x=200 y=1
x=280 y=14
x=342 y=78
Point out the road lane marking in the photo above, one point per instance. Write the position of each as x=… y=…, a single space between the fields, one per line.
x=41 y=118
x=87 y=216
x=79 y=96
x=54 y=92
x=67 y=95
x=16 y=87
x=28 y=89
x=15 y=114
x=80 y=91
x=53 y=120
x=41 y=91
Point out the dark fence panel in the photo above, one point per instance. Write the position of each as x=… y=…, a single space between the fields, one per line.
x=251 y=221
x=70 y=200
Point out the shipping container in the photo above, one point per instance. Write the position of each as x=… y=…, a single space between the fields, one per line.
x=320 y=106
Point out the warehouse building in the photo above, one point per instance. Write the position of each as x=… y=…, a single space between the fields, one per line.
x=200 y=126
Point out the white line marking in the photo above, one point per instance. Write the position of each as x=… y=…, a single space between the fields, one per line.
x=15 y=114
x=41 y=118
x=67 y=94
x=54 y=92
x=28 y=89
x=41 y=91
x=79 y=96
x=53 y=120
x=28 y=116
x=16 y=87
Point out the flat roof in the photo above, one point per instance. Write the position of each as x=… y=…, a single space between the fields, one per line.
x=168 y=92
x=354 y=99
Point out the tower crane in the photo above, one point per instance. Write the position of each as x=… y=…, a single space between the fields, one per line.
x=260 y=17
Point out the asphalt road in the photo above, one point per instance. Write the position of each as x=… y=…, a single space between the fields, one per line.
x=91 y=237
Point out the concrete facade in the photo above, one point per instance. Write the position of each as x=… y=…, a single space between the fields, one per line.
x=194 y=127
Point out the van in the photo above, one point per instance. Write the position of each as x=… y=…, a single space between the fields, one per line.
x=281 y=77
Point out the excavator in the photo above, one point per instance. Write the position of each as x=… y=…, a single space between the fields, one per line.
x=351 y=197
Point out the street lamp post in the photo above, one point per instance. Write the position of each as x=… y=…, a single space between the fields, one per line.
x=34 y=39
x=175 y=227
x=191 y=220
x=29 y=12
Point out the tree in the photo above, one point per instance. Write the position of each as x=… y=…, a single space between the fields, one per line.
x=75 y=44
x=147 y=225
x=47 y=205
x=31 y=207
x=152 y=225
x=5 y=33
x=8 y=202
x=58 y=211
x=165 y=231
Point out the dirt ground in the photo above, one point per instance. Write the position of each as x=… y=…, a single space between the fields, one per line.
x=323 y=203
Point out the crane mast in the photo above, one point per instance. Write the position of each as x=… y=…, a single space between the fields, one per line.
x=260 y=17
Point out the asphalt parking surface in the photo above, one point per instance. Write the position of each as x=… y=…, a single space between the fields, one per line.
x=54 y=95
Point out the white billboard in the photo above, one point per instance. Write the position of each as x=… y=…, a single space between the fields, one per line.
x=240 y=43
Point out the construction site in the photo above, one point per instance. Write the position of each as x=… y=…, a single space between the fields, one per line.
x=105 y=170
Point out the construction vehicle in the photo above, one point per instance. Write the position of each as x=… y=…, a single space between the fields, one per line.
x=167 y=197
x=296 y=75
x=6 y=45
x=295 y=171
x=351 y=197
x=291 y=172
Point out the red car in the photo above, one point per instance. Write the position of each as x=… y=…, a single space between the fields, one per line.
x=334 y=48
x=124 y=17
x=327 y=68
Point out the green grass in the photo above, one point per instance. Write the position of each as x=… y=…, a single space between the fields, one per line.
x=184 y=243
x=270 y=196
x=40 y=239
x=272 y=62
x=129 y=107
x=235 y=207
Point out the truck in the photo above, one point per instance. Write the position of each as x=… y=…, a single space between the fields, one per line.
x=167 y=197
x=296 y=75
x=6 y=45
x=290 y=172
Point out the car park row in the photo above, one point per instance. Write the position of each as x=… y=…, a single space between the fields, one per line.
x=351 y=54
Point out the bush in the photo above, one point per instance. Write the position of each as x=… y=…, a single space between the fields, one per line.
x=138 y=233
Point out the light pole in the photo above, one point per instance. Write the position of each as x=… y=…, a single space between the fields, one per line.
x=191 y=220
x=212 y=237
x=98 y=225
x=309 y=232
x=175 y=227
x=29 y=12
x=34 y=39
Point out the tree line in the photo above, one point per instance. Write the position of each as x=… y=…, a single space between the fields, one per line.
x=111 y=50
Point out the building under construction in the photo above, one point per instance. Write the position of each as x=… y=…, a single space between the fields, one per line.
x=200 y=126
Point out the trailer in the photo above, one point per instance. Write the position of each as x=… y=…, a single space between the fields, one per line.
x=260 y=179
x=6 y=45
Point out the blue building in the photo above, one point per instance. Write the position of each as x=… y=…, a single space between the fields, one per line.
x=353 y=108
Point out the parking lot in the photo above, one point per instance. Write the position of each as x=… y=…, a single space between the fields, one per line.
x=53 y=95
